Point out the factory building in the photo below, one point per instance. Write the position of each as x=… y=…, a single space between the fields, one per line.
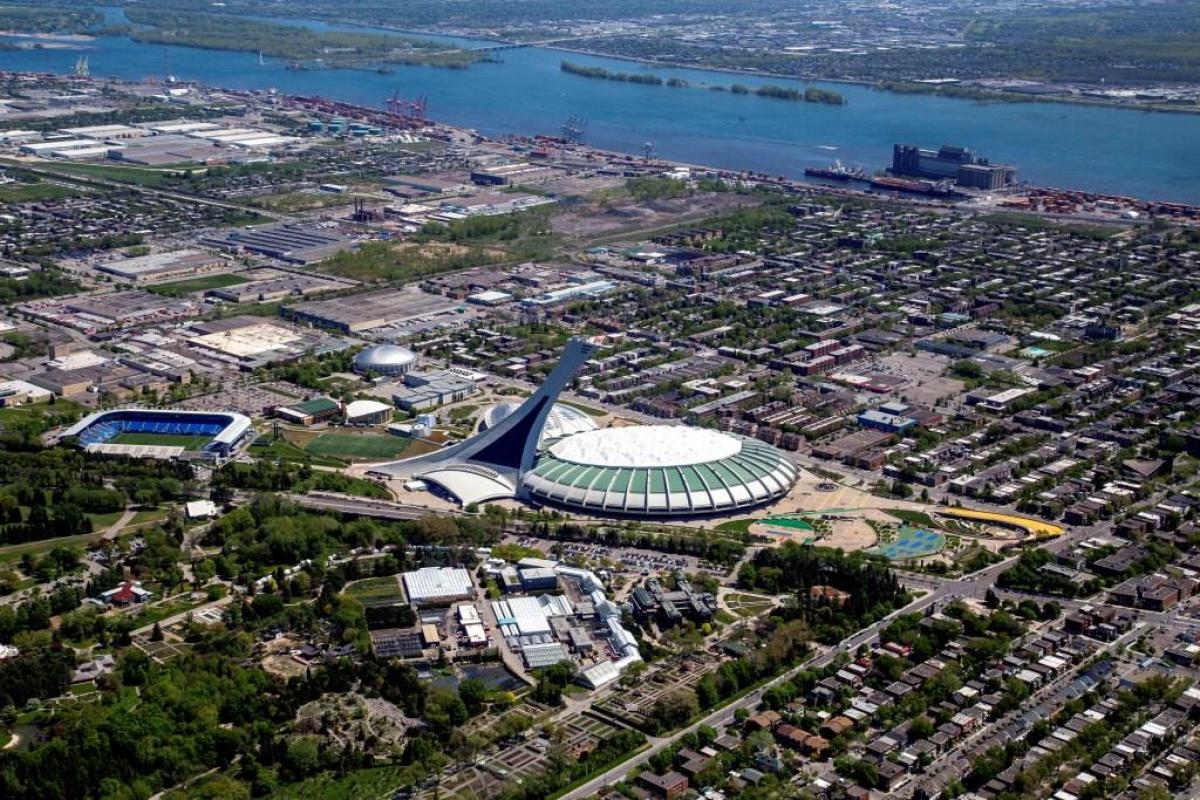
x=953 y=163
x=163 y=266
x=293 y=243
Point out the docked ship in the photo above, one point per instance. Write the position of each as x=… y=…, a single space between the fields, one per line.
x=835 y=172
x=928 y=188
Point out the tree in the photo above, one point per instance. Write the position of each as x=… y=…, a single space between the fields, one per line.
x=674 y=709
x=156 y=635
x=474 y=694
x=135 y=667
x=303 y=756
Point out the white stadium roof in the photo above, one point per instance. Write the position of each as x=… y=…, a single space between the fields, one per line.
x=366 y=408
x=659 y=471
x=646 y=446
x=563 y=420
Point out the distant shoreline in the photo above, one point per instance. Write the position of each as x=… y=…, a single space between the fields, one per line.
x=990 y=95
x=999 y=95
x=65 y=37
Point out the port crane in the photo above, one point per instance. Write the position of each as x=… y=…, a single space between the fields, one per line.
x=574 y=128
x=409 y=108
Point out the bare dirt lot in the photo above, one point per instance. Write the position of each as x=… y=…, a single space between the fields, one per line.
x=925 y=370
x=593 y=218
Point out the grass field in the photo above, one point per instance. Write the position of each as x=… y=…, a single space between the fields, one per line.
x=364 y=447
x=736 y=525
x=32 y=192
x=199 y=284
x=288 y=452
x=914 y=518
x=373 y=592
x=589 y=410
x=14 y=552
x=124 y=174
x=187 y=442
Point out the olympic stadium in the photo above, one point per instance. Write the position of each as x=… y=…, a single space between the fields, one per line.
x=563 y=420
x=659 y=471
x=163 y=434
x=651 y=471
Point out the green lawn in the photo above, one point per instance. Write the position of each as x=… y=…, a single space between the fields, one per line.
x=372 y=592
x=358 y=446
x=124 y=174
x=287 y=452
x=186 y=441
x=736 y=525
x=32 y=192
x=199 y=284
x=915 y=518
x=101 y=522
x=147 y=516
x=14 y=552
x=589 y=410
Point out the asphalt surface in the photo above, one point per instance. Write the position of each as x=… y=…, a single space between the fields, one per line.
x=364 y=507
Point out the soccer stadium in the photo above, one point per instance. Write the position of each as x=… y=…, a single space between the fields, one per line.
x=659 y=471
x=163 y=434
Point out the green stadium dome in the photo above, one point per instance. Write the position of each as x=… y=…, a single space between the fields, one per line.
x=659 y=471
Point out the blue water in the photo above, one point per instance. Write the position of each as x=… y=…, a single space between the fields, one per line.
x=1112 y=150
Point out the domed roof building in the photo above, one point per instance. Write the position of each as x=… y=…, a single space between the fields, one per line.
x=385 y=359
x=659 y=471
x=368 y=412
x=563 y=420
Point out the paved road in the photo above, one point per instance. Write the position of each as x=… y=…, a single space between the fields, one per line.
x=940 y=591
x=364 y=507
x=725 y=715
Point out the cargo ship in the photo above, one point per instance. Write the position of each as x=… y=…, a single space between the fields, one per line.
x=940 y=189
x=835 y=172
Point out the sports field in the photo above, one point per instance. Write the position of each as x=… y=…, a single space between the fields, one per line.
x=912 y=543
x=201 y=283
x=363 y=447
x=186 y=441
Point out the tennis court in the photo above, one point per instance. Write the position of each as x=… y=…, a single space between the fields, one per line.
x=912 y=543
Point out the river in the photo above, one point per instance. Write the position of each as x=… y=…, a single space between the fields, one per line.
x=1114 y=150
